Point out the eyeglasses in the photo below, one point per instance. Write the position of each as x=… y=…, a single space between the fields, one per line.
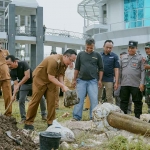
x=70 y=59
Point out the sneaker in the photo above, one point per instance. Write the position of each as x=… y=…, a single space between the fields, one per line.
x=28 y=127
x=44 y=118
x=49 y=125
x=22 y=121
x=74 y=119
x=85 y=109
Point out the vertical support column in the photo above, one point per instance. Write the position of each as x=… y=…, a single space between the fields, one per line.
x=33 y=56
x=6 y=25
x=64 y=48
x=33 y=46
x=11 y=29
x=53 y=49
x=18 y=21
x=39 y=36
x=81 y=49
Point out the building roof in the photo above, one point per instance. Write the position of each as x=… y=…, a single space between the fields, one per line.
x=25 y=3
x=89 y=9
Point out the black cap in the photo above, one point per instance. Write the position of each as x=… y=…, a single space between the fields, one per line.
x=133 y=44
x=147 y=45
x=123 y=53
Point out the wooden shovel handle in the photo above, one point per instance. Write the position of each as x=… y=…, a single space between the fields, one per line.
x=12 y=100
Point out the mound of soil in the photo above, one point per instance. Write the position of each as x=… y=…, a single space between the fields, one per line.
x=6 y=143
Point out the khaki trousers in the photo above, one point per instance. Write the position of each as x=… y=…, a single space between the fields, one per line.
x=87 y=102
x=57 y=97
x=38 y=91
x=7 y=94
x=109 y=92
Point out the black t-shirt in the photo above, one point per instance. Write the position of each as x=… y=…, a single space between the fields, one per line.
x=89 y=65
x=18 y=73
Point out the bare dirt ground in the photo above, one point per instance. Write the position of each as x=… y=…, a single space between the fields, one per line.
x=6 y=143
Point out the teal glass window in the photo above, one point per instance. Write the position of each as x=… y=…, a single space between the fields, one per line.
x=136 y=13
x=126 y=5
x=147 y=13
x=140 y=3
x=139 y=24
x=126 y=16
x=140 y=14
x=147 y=22
x=133 y=15
x=133 y=4
x=147 y=3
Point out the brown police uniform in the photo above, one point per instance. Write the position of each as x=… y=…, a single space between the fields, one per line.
x=54 y=66
x=5 y=83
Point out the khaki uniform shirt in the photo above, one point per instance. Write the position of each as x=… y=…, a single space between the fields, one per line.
x=52 y=65
x=4 y=70
x=132 y=72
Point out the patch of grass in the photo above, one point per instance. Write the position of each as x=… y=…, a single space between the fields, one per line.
x=118 y=143
x=121 y=143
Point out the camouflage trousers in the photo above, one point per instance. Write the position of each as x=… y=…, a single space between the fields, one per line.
x=147 y=96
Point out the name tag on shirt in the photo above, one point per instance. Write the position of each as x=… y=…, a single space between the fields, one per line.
x=111 y=57
x=94 y=57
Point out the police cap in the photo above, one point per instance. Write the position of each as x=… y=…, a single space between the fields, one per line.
x=133 y=44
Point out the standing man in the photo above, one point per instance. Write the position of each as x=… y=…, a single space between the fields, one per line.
x=132 y=77
x=21 y=74
x=5 y=82
x=46 y=77
x=87 y=77
x=147 y=76
x=111 y=70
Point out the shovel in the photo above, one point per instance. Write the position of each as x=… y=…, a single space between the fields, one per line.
x=12 y=100
x=16 y=140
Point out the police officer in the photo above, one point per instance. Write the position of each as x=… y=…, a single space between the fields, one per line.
x=147 y=76
x=132 y=76
x=5 y=83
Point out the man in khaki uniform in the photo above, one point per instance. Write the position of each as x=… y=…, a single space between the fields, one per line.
x=46 y=77
x=57 y=89
x=5 y=83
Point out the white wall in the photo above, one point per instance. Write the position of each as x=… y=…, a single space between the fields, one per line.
x=115 y=14
x=120 y=49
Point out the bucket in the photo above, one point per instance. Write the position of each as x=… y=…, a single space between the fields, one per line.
x=49 y=140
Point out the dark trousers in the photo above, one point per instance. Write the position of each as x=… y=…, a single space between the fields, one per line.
x=136 y=98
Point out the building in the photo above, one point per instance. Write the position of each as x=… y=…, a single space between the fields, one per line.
x=118 y=20
x=23 y=33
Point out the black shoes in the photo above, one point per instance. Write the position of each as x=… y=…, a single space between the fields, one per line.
x=28 y=127
x=85 y=109
x=49 y=125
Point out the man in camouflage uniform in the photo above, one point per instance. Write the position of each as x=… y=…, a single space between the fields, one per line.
x=147 y=76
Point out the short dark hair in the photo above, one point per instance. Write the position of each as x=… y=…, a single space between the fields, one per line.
x=123 y=53
x=109 y=41
x=53 y=53
x=12 y=57
x=90 y=41
x=70 y=52
x=17 y=58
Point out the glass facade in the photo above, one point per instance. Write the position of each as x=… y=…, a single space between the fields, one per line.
x=136 y=13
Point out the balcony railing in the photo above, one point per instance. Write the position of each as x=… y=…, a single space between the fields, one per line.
x=68 y=34
x=2 y=28
x=25 y=31
x=28 y=31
